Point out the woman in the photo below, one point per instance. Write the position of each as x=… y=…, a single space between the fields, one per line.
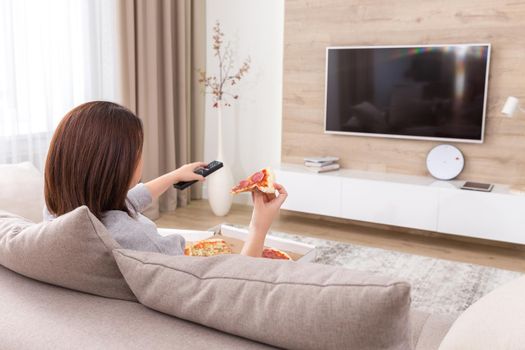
x=95 y=159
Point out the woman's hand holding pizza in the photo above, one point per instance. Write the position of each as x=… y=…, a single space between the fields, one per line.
x=266 y=207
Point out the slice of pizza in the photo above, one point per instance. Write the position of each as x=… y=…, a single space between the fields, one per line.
x=208 y=247
x=262 y=180
x=272 y=253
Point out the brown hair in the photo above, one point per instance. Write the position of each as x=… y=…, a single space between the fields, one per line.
x=92 y=157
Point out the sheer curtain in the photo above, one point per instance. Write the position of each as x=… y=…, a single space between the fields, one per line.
x=54 y=55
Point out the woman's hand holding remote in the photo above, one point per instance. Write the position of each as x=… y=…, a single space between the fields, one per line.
x=265 y=209
x=159 y=185
x=187 y=172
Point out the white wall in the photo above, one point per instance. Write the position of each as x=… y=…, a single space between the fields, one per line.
x=252 y=126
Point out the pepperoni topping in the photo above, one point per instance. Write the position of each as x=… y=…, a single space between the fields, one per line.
x=242 y=186
x=272 y=253
x=258 y=176
x=257 y=180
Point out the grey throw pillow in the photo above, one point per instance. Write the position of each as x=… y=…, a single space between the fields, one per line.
x=72 y=251
x=286 y=304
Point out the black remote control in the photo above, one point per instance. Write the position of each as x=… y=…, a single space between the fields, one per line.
x=210 y=168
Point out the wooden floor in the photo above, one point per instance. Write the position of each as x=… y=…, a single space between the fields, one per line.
x=198 y=216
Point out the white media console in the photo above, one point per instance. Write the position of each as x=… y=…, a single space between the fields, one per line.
x=408 y=201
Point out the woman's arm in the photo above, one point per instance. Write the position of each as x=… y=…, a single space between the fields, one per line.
x=159 y=185
x=265 y=209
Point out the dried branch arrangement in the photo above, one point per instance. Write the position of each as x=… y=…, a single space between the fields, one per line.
x=221 y=86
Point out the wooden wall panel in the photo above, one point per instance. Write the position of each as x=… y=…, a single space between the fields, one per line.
x=312 y=25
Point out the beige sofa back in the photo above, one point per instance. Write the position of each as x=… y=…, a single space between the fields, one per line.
x=22 y=190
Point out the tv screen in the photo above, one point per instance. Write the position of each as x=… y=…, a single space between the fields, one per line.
x=424 y=92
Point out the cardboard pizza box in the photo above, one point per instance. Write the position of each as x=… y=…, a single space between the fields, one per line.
x=236 y=235
x=189 y=235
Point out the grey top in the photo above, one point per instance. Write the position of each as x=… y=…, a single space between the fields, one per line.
x=137 y=232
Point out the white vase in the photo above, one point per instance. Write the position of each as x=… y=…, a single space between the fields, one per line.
x=221 y=181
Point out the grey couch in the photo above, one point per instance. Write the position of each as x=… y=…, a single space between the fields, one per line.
x=36 y=315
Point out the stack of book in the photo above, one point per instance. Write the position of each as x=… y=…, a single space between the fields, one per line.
x=321 y=164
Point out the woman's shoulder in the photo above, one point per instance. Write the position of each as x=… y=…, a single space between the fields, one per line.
x=140 y=233
x=120 y=223
x=118 y=216
x=139 y=198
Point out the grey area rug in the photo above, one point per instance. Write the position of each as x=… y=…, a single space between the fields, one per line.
x=438 y=286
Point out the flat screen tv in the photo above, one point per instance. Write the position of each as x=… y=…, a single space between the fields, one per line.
x=432 y=92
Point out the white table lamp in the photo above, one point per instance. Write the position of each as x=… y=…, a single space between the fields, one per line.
x=510 y=106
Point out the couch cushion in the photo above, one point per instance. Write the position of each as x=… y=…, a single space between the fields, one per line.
x=496 y=321
x=72 y=251
x=282 y=303
x=428 y=330
x=36 y=315
x=22 y=190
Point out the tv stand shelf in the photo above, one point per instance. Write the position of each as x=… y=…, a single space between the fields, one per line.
x=418 y=202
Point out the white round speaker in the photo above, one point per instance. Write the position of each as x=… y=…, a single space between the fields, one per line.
x=445 y=162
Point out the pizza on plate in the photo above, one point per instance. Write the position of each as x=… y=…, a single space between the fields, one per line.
x=272 y=253
x=208 y=247
x=262 y=180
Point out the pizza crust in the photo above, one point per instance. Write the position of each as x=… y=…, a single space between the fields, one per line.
x=270 y=179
